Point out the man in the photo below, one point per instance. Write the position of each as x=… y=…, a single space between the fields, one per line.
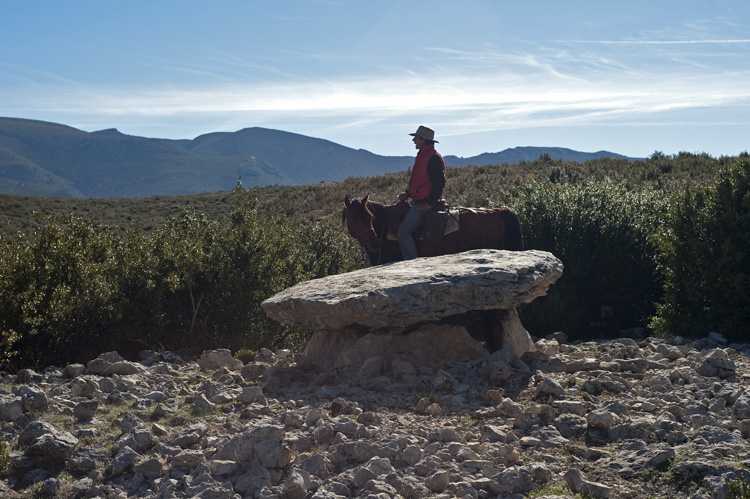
x=425 y=188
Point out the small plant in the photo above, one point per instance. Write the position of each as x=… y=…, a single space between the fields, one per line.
x=554 y=489
x=738 y=489
x=4 y=459
x=245 y=355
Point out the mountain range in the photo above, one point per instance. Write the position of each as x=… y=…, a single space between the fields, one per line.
x=39 y=158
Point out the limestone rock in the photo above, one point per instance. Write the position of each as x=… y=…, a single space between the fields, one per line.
x=85 y=410
x=54 y=447
x=415 y=291
x=493 y=426
x=430 y=345
x=34 y=430
x=73 y=370
x=103 y=362
x=262 y=443
x=34 y=399
x=201 y=405
x=11 y=407
x=216 y=359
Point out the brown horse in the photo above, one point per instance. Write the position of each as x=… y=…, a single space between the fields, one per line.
x=497 y=228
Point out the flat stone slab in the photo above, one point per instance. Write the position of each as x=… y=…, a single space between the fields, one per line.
x=416 y=291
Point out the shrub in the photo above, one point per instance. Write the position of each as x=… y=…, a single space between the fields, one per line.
x=600 y=231
x=5 y=459
x=57 y=292
x=77 y=287
x=738 y=489
x=706 y=258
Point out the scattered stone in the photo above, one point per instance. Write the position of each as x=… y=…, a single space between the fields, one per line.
x=602 y=418
x=201 y=406
x=32 y=398
x=216 y=359
x=11 y=407
x=124 y=460
x=474 y=427
x=85 y=410
x=102 y=362
x=25 y=376
x=188 y=458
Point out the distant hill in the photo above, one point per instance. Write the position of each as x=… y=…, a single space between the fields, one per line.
x=518 y=154
x=47 y=159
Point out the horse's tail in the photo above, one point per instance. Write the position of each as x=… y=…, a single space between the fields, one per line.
x=513 y=232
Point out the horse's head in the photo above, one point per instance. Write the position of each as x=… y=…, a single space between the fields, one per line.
x=358 y=219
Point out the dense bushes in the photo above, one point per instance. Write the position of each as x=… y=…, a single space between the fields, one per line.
x=706 y=258
x=56 y=290
x=76 y=288
x=678 y=263
x=639 y=249
x=600 y=231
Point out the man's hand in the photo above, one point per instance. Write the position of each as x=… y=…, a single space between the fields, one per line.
x=403 y=196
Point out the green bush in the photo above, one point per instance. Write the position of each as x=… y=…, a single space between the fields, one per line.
x=706 y=259
x=738 y=489
x=600 y=231
x=77 y=288
x=5 y=460
x=58 y=291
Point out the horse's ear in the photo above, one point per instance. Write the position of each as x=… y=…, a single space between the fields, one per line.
x=366 y=199
x=347 y=202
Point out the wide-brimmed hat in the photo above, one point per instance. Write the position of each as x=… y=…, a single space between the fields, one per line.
x=425 y=133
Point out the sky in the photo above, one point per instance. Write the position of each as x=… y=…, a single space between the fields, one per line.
x=631 y=77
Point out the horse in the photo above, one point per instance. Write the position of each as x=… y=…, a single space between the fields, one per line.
x=495 y=228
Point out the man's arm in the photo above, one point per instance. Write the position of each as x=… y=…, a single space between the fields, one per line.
x=437 y=177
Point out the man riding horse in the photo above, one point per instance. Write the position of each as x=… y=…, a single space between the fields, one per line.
x=369 y=222
x=426 y=187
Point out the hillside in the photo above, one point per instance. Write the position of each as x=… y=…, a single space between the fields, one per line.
x=491 y=185
x=52 y=160
x=47 y=159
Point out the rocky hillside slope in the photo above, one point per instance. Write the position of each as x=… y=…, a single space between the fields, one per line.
x=618 y=419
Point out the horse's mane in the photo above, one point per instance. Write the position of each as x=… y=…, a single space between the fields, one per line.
x=371 y=209
x=377 y=210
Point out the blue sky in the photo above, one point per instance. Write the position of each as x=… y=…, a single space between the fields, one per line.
x=632 y=77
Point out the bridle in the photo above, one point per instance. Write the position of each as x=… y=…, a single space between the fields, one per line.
x=364 y=247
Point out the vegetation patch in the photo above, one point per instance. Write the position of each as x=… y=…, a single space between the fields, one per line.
x=660 y=244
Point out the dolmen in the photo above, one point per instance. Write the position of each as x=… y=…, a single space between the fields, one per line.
x=399 y=313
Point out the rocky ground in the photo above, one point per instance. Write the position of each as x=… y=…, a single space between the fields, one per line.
x=619 y=419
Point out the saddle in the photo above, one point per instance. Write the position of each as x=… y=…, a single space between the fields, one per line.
x=440 y=220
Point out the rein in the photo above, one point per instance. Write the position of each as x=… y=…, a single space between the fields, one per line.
x=364 y=250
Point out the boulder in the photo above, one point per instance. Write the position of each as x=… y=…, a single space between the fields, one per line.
x=212 y=360
x=11 y=407
x=431 y=345
x=85 y=410
x=416 y=291
x=373 y=306
x=54 y=447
